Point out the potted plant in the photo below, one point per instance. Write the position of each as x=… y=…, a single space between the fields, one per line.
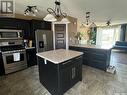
x=79 y=36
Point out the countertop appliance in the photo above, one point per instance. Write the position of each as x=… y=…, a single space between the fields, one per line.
x=44 y=40
x=13 y=50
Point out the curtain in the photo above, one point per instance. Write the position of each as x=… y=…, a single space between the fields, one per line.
x=123 y=32
x=108 y=35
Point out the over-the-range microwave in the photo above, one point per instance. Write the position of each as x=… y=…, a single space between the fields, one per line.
x=10 y=34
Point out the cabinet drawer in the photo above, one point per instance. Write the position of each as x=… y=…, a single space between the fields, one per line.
x=97 y=64
x=66 y=64
x=78 y=60
x=98 y=51
x=78 y=49
x=75 y=61
x=95 y=56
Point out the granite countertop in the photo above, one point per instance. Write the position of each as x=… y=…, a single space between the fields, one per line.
x=59 y=55
x=92 y=46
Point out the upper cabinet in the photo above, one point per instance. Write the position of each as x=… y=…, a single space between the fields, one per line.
x=27 y=26
x=12 y=23
x=9 y=23
x=39 y=24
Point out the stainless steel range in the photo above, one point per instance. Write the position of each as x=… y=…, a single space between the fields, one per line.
x=13 y=51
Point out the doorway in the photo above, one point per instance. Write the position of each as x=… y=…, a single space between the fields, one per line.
x=60 y=36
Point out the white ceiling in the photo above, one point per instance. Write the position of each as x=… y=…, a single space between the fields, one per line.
x=101 y=10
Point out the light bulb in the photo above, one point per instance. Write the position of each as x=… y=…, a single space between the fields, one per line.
x=34 y=14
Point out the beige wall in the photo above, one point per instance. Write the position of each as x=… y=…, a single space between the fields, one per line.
x=74 y=27
x=84 y=30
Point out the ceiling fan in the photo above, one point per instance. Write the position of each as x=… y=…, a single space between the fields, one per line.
x=108 y=23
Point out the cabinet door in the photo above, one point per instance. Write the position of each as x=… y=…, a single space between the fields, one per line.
x=7 y=23
x=65 y=75
x=2 y=71
x=76 y=70
x=31 y=57
x=65 y=79
x=26 y=28
x=71 y=73
x=24 y=25
x=47 y=25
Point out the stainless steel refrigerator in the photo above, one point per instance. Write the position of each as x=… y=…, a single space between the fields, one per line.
x=44 y=40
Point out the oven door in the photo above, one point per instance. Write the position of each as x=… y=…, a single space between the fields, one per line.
x=14 y=61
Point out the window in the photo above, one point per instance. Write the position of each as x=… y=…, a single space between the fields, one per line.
x=107 y=36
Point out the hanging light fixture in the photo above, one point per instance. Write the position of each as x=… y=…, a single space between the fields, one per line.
x=88 y=22
x=31 y=10
x=87 y=18
x=108 y=23
x=56 y=13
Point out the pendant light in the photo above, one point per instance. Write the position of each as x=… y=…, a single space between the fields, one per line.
x=88 y=21
x=56 y=13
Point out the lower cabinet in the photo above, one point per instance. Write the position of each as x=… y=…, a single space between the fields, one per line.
x=64 y=75
x=70 y=73
x=2 y=71
x=31 y=57
x=65 y=79
x=97 y=58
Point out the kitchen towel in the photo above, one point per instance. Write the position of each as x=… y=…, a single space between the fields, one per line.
x=16 y=56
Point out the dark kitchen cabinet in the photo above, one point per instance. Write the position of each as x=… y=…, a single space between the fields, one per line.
x=27 y=26
x=76 y=71
x=2 y=71
x=31 y=57
x=40 y=24
x=71 y=74
x=98 y=58
x=8 y=23
x=24 y=25
x=65 y=79
x=58 y=78
x=18 y=24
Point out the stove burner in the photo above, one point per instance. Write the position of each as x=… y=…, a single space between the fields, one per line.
x=12 y=48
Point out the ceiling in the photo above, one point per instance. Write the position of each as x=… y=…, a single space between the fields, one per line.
x=101 y=10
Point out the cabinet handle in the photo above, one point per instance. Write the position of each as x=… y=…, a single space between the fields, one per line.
x=73 y=72
x=78 y=57
x=66 y=62
x=45 y=61
x=85 y=51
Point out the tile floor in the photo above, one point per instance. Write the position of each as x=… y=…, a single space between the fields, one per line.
x=95 y=82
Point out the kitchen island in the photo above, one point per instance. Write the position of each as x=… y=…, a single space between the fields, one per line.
x=94 y=55
x=59 y=70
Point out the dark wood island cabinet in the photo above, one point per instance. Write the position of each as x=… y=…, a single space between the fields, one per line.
x=56 y=75
x=94 y=56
